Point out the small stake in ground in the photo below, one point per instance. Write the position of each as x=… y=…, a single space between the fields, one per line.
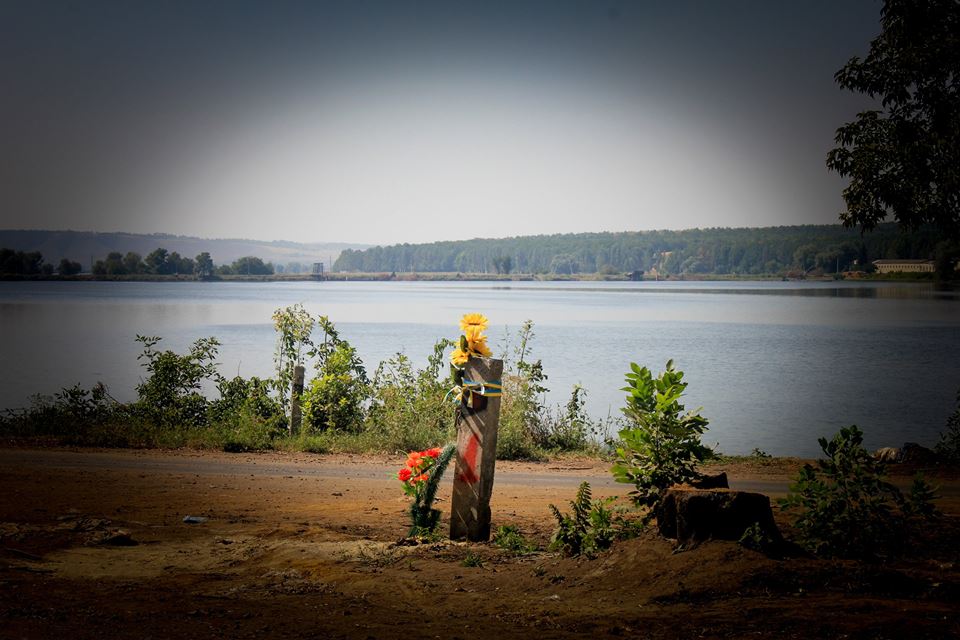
x=476 y=456
x=296 y=415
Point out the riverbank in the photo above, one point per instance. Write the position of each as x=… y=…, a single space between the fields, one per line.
x=476 y=277
x=297 y=545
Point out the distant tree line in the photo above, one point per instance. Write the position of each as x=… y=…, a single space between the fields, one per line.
x=157 y=262
x=770 y=250
x=162 y=262
x=31 y=263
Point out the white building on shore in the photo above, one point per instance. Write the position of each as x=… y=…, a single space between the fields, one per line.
x=904 y=266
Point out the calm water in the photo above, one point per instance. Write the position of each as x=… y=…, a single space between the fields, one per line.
x=774 y=365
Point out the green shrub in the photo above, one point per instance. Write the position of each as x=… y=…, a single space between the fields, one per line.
x=409 y=410
x=472 y=560
x=240 y=394
x=519 y=419
x=661 y=446
x=71 y=409
x=334 y=399
x=528 y=427
x=522 y=410
x=948 y=448
x=294 y=327
x=847 y=508
x=170 y=396
x=509 y=538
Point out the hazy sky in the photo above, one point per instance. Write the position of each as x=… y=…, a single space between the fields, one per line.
x=412 y=121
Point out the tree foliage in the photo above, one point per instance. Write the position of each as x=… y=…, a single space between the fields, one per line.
x=171 y=394
x=294 y=327
x=247 y=266
x=203 y=264
x=772 y=250
x=69 y=267
x=19 y=263
x=904 y=157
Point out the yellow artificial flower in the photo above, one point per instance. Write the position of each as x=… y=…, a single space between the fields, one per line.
x=470 y=320
x=474 y=333
x=476 y=341
x=459 y=357
x=479 y=347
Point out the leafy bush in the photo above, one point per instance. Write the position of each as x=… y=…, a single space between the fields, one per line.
x=521 y=407
x=408 y=409
x=948 y=448
x=238 y=394
x=528 y=427
x=662 y=446
x=245 y=417
x=472 y=560
x=509 y=538
x=294 y=327
x=335 y=398
x=519 y=419
x=591 y=527
x=847 y=508
x=572 y=428
x=72 y=410
x=170 y=395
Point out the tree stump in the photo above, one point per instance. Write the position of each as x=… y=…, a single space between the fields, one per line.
x=694 y=515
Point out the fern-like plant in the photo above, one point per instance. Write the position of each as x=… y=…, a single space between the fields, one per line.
x=591 y=526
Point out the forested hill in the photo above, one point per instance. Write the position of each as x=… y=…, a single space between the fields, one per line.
x=764 y=250
x=86 y=246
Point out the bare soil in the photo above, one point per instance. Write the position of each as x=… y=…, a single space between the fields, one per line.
x=93 y=545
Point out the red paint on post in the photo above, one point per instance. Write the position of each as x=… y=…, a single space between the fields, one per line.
x=469 y=473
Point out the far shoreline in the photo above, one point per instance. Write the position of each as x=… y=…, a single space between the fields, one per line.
x=475 y=277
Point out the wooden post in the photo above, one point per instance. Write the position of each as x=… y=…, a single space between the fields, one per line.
x=296 y=417
x=476 y=457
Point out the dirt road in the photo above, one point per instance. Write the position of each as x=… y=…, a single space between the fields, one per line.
x=93 y=544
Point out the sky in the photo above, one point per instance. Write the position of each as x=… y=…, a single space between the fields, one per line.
x=388 y=122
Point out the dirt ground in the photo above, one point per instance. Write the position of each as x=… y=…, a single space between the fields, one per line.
x=93 y=545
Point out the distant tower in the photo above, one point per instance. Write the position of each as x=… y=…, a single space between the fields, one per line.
x=318 y=271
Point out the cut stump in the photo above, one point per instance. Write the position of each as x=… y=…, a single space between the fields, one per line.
x=694 y=515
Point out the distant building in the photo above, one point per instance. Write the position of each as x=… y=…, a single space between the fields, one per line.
x=903 y=266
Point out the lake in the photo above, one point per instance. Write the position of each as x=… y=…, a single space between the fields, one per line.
x=775 y=365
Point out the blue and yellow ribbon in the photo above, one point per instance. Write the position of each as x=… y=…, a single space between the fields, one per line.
x=463 y=392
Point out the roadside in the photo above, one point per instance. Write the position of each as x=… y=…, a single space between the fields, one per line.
x=303 y=545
